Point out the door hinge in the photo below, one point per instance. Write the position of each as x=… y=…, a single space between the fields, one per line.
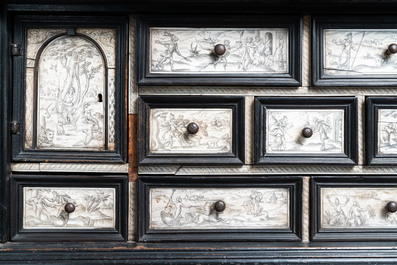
x=16 y=49
x=15 y=127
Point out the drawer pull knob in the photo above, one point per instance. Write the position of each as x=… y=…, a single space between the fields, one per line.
x=392 y=49
x=220 y=206
x=391 y=207
x=69 y=208
x=220 y=49
x=307 y=132
x=192 y=128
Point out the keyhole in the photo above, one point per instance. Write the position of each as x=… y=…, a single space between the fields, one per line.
x=99 y=97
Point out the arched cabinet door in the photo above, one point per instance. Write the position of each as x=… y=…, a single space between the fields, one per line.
x=69 y=89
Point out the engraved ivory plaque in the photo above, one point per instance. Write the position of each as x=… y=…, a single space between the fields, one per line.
x=359 y=52
x=193 y=208
x=357 y=208
x=284 y=131
x=387 y=131
x=191 y=50
x=44 y=208
x=168 y=131
x=74 y=90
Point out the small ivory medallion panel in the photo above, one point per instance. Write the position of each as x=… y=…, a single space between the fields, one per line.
x=215 y=51
x=170 y=131
x=47 y=208
x=195 y=208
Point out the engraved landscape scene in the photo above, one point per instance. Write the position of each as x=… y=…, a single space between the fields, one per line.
x=284 y=131
x=387 y=131
x=71 y=76
x=357 y=207
x=45 y=208
x=191 y=50
x=168 y=131
x=187 y=208
x=359 y=52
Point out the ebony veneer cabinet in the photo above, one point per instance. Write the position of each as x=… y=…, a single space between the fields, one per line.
x=198 y=132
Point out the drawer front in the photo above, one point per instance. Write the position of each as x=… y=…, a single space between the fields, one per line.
x=263 y=209
x=354 y=209
x=219 y=51
x=68 y=208
x=244 y=208
x=195 y=50
x=306 y=130
x=381 y=122
x=354 y=51
x=191 y=130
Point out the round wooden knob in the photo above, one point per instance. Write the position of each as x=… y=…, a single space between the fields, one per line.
x=69 y=208
x=392 y=49
x=192 y=128
x=220 y=49
x=220 y=206
x=391 y=207
x=307 y=132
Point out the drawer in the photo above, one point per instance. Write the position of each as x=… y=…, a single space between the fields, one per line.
x=354 y=51
x=191 y=130
x=306 y=130
x=219 y=209
x=381 y=124
x=68 y=208
x=220 y=50
x=361 y=208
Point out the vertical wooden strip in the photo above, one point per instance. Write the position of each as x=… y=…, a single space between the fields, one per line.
x=133 y=147
x=306 y=51
x=305 y=209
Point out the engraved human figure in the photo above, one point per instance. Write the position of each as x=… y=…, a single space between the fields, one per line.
x=46 y=138
x=339 y=216
x=389 y=133
x=347 y=45
x=248 y=50
x=171 y=46
x=356 y=214
x=322 y=128
x=278 y=132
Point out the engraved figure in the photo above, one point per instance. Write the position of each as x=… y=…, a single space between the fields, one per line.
x=357 y=216
x=253 y=205
x=338 y=217
x=322 y=128
x=278 y=128
x=70 y=77
x=171 y=45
